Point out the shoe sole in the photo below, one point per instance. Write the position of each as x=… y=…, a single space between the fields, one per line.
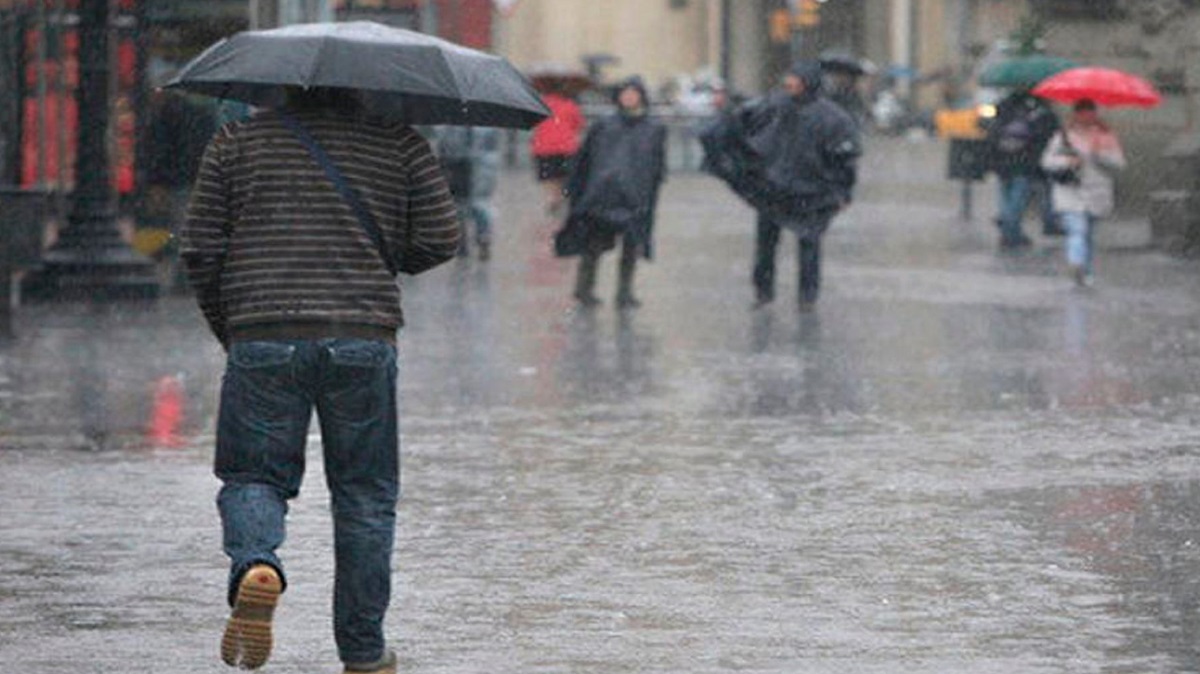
x=248 y=639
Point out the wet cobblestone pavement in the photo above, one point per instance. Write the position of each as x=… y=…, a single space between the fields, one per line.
x=958 y=463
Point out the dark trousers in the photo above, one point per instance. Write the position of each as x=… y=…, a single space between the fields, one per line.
x=808 y=250
x=267 y=398
x=585 y=282
x=1016 y=193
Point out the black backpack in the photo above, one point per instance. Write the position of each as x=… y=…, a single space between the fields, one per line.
x=1015 y=136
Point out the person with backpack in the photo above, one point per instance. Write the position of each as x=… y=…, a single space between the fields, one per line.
x=1081 y=161
x=1017 y=137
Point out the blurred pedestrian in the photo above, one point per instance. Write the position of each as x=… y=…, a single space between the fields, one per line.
x=471 y=160
x=1016 y=139
x=793 y=155
x=712 y=129
x=842 y=87
x=554 y=143
x=614 y=192
x=1081 y=161
x=300 y=220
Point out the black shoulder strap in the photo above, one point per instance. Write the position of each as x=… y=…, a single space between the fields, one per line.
x=351 y=197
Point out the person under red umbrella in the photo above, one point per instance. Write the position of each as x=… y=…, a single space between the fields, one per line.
x=1082 y=160
x=554 y=144
x=1086 y=157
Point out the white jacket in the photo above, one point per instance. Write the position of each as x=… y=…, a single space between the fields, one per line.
x=1102 y=159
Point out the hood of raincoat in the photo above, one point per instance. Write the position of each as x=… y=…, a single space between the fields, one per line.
x=637 y=83
x=811 y=74
x=614 y=185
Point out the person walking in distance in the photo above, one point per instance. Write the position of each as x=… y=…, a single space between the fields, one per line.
x=470 y=158
x=300 y=220
x=1016 y=139
x=614 y=192
x=555 y=142
x=807 y=148
x=1081 y=161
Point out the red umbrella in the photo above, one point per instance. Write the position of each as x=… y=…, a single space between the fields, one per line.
x=1105 y=86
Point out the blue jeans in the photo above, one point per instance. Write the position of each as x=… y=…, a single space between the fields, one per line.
x=267 y=397
x=1080 y=226
x=481 y=212
x=1015 y=194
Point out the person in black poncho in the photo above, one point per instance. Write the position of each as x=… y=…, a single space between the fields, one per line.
x=614 y=191
x=792 y=155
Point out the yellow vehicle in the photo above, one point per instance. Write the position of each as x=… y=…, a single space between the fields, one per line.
x=966 y=129
x=964 y=124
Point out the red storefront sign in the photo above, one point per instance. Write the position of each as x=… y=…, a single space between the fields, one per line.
x=50 y=123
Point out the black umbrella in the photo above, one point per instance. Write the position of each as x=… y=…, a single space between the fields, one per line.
x=844 y=62
x=557 y=78
x=397 y=73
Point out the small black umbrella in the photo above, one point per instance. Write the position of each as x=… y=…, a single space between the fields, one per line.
x=845 y=62
x=557 y=78
x=396 y=73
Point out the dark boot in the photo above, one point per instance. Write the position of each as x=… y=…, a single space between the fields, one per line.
x=585 y=282
x=765 y=245
x=625 y=298
x=809 y=259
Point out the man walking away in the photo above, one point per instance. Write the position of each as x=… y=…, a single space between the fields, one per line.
x=807 y=150
x=300 y=219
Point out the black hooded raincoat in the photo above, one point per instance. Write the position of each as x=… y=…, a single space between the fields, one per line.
x=787 y=157
x=615 y=184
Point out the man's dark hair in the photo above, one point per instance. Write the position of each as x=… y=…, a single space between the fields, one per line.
x=322 y=98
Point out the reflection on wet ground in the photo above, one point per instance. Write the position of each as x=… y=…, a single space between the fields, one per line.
x=957 y=463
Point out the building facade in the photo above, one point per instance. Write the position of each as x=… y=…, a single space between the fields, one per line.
x=657 y=39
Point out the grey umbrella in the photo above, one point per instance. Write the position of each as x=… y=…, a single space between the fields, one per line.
x=397 y=73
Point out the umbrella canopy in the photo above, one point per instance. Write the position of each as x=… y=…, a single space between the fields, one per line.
x=555 y=77
x=1024 y=72
x=396 y=73
x=1105 y=86
x=845 y=62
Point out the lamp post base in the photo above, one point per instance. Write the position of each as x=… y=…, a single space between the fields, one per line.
x=92 y=262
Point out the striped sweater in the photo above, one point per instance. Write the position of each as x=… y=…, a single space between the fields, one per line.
x=273 y=251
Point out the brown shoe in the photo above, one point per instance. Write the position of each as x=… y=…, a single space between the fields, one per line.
x=384 y=665
x=247 y=640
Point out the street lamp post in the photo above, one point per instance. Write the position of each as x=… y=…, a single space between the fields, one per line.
x=90 y=259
